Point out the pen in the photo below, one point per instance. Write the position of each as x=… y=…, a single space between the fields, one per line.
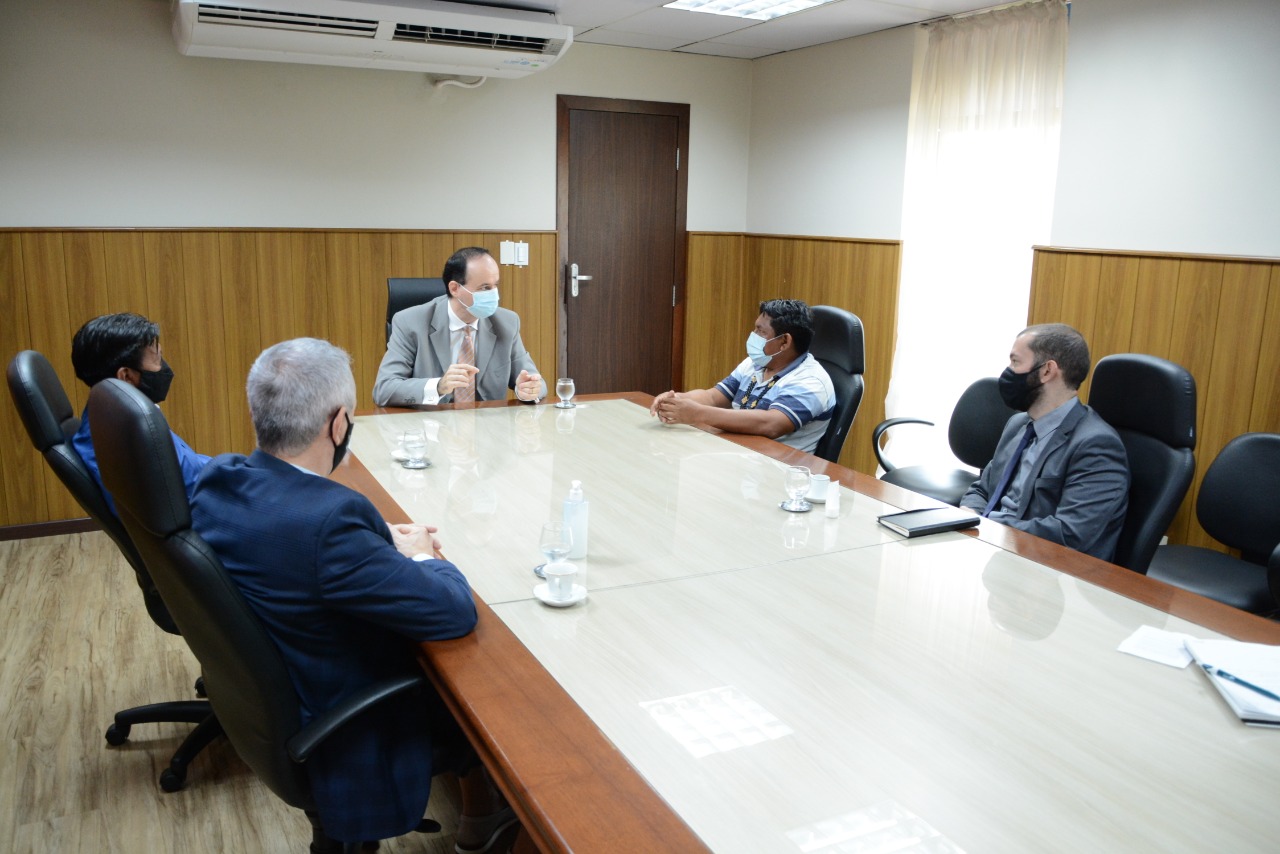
x=1217 y=671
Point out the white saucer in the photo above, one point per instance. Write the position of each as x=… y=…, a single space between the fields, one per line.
x=579 y=594
x=812 y=500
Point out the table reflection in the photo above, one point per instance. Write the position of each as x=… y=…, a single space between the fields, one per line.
x=664 y=503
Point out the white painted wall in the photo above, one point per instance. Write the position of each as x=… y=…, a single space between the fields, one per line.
x=104 y=123
x=1170 y=126
x=1172 y=114
x=829 y=138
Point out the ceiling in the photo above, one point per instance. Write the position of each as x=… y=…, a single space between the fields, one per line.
x=646 y=24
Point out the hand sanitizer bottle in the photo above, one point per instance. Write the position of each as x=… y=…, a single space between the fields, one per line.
x=575 y=513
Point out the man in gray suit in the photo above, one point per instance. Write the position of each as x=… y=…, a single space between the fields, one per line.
x=459 y=347
x=1060 y=471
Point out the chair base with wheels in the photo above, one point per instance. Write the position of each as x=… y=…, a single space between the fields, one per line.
x=198 y=712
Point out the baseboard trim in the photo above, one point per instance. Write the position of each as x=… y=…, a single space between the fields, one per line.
x=48 y=529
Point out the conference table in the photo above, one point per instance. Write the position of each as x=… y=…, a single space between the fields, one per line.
x=744 y=679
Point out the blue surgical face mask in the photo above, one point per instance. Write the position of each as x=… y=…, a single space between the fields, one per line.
x=755 y=349
x=483 y=303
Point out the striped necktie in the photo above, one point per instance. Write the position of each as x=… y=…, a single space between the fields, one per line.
x=466 y=356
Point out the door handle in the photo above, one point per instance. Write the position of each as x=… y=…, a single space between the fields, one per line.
x=574 y=278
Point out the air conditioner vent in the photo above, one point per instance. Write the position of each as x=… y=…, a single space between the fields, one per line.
x=296 y=21
x=474 y=38
x=429 y=36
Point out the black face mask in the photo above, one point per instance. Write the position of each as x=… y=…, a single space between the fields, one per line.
x=155 y=384
x=1017 y=390
x=340 y=450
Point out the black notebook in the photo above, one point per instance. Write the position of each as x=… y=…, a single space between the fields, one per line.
x=917 y=523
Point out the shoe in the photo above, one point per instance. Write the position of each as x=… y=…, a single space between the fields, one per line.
x=489 y=827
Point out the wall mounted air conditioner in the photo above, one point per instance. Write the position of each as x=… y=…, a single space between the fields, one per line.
x=404 y=35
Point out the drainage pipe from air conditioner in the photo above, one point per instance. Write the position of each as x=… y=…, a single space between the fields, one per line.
x=440 y=84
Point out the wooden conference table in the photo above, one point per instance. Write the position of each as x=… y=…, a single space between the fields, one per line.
x=743 y=679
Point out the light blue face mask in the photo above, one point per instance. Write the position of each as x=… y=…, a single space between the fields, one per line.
x=483 y=303
x=755 y=349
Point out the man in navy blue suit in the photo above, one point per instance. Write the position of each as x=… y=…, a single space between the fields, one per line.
x=343 y=595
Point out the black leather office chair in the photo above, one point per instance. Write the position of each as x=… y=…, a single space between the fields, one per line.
x=838 y=346
x=403 y=293
x=248 y=683
x=977 y=420
x=1152 y=404
x=51 y=422
x=1238 y=505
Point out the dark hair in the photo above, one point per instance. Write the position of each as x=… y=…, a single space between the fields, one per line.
x=108 y=343
x=790 y=316
x=1064 y=345
x=455 y=269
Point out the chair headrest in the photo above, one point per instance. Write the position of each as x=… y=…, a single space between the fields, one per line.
x=405 y=292
x=137 y=459
x=41 y=401
x=1137 y=391
x=837 y=338
x=1237 y=503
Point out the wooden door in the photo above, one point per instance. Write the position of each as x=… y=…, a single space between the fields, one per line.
x=621 y=220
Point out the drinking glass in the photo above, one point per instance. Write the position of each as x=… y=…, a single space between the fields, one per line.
x=564 y=391
x=797 y=482
x=555 y=544
x=415 y=449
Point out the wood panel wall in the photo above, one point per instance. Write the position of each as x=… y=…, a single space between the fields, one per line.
x=220 y=298
x=1216 y=316
x=730 y=274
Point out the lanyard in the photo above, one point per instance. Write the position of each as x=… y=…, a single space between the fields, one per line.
x=746 y=402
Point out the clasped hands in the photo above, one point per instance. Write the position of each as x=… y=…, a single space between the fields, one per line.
x=458 y=375
x=411 y=539
x=673 y=407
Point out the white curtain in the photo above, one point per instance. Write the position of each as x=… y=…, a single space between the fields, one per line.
x=981 y=164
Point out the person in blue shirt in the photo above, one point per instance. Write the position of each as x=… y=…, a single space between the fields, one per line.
x=779 y=391
x=125 y=346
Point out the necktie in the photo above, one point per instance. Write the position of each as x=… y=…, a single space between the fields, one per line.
x=1009 y=470
x=466 y=356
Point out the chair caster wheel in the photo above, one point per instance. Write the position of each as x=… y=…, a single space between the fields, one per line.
x=200 y=688
x=172 y=781
x=117 y=734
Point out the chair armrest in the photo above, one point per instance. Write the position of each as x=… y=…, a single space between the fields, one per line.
x=880 y=431
x=313 y=734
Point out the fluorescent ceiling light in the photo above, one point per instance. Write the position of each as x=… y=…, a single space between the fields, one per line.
x=758 y=10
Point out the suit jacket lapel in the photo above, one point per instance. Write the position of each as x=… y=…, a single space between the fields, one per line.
x=484 y=343
x=1059 y=438
x=438 y=333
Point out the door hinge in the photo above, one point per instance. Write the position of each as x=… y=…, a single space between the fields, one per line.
x=677 y=160
x=673 y=296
